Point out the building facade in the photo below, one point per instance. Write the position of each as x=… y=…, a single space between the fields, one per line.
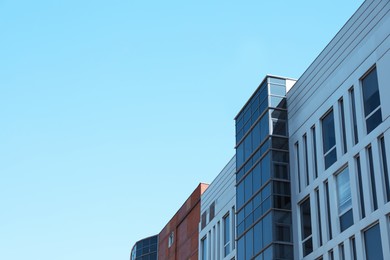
x=145 y=249
x=179 y=238
x=263 y=197
x=217 y=224
x=339 y=134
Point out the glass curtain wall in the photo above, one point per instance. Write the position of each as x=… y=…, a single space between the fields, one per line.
x=262 y=177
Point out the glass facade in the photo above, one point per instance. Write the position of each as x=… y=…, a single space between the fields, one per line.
x=145 y=249
x=263 y=188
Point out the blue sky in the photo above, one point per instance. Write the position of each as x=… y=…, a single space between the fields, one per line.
x=113 y=111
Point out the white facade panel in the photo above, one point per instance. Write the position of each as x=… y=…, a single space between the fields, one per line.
x=221 y=194
x=334 y=82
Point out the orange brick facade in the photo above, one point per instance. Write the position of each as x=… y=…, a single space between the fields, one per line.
x=184 y=226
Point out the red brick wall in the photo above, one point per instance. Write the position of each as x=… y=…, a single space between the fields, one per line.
x=184 y=224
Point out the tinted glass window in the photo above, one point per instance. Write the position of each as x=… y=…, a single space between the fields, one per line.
x=328 y=135
x=373 y=243
x=371 y=100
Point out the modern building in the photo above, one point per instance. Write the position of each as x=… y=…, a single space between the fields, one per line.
x=217 y=224
x=264 y=226
x=179 y=238
x=145 y=249
x=338 y=116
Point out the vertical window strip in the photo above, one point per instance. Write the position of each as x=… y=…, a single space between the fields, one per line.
x=353 y=248
x=372 y=177
x=329 y=139
x=319 y=215
x=306 y=159
x=384 y=167
x=298 y=166
x=360 y=186
x=341 y=250
x=233 y=228
x=328 y=211
x=306 y=227
x=354 y=122
x=372 y=108
x=344 y=199
x=342 y=118
x=314 y=142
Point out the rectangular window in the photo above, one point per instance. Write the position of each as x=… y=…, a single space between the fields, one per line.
x=298 y=166
x=226 y=234
x=313 y=135
x=319 y=215
x=328 y=210
x=372 y=109
x=204 y=248
x=331 y=256
x=342 y=124
x=344 y=200
x=329 y=139
x=353 y=110
x=373 y=243
x=307 y=242
x=372 y=178
x=341 y=251
x=360 y=186
x=306 y=159
x=384 y=166
x=353 y=248
x=233 y=228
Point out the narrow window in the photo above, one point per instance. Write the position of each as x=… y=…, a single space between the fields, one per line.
x=319 y=215
x=306 y=159
x=384 y=167
x=353 y=248
x=344 y=200
x=341 y=251
x=353 y=110
x=373 y=243
x=372 y=106
x=298 y=166
x=331 y=256
x=360 y=186
x=329 y=139
x=342 y=123
x=218 y=240
x=313 y=134
x=328 y=210
x=372 y=177
x=306 y=230
x=226 y=234
x=204 y=248
x=233 y=228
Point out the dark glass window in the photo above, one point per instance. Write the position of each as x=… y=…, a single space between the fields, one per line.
x=354 y=122
x=328 y=211
x=384 y=167
x=353 y=247
x=372 y=178
x=212 y=211
x=298 y=165
x=306 y=159
x=313 y=133
x=373 y=243
x=360 y=187
x=342 y=124
x=372 y=110
x=306 y=229
x=329 y=139
x=249 y=244
x=319 y=215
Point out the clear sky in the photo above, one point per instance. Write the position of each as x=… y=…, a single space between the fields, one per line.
x=113 y=111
